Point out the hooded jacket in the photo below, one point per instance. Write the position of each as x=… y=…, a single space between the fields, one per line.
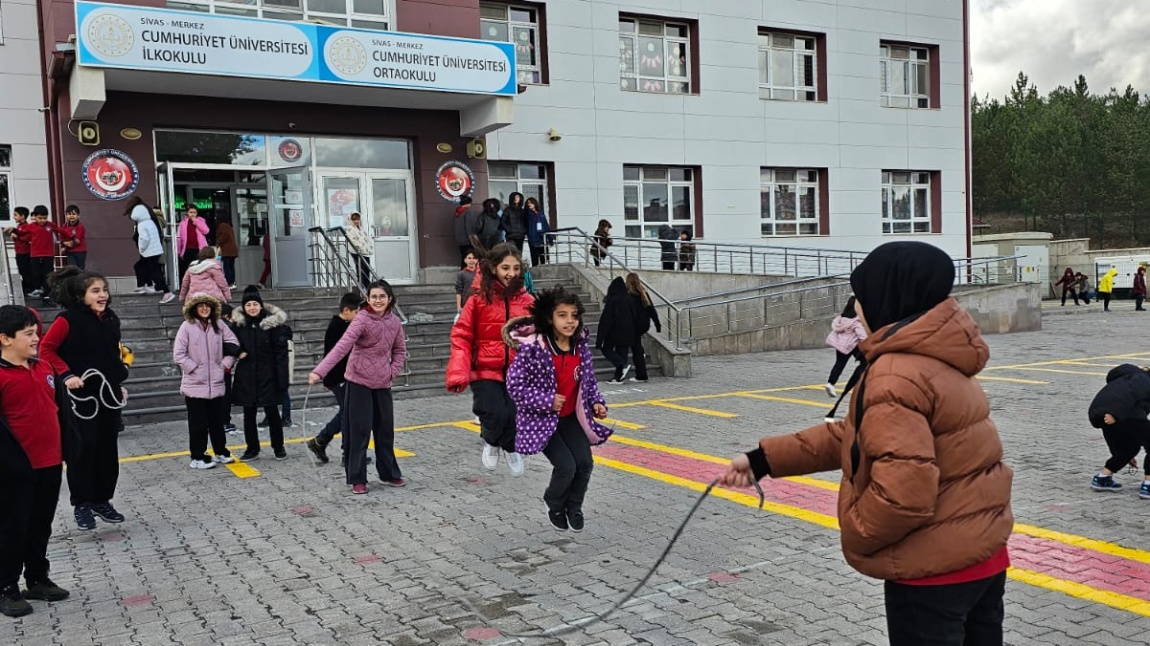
x=148 y=239
x=1126 y=396
x=357 y=240
x=205 y=277
x=514 y=220
x=377 y=350
x=532 y=384
x=667 y=240
x=1139 y=282
x=846 y=333
x=261 y=377
x=199 y=351
x=489 y=224
x=617 y=322
x=198 y=227
x=477 y=348
x=1106 y=283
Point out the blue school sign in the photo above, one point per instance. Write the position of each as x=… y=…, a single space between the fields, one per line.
x=185 y=42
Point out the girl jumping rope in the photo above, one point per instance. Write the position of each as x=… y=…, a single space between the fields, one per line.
x=557 y=400
x=846 y=333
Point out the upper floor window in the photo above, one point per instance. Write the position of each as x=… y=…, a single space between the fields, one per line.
x=906 y=202
x=366 y=14
x=654 y=56
x=905 y=76
x=519 y=25
x=528 y=178
x=658 y=195
x=789 y=202
x=788 y=67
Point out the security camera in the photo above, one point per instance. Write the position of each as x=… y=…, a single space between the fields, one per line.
x=291 y=125
x=554 y=135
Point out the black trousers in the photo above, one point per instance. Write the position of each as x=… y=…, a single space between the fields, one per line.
x=149 y=271
x=1072 y=293
x=1105 y=296
x=518 y=243
x=230 y=270
x=369 y=414
x=618 y=358
x=539 y=255
x=496 y=413
x=188 y=257
x=275 y=427
x=363 y=268
x=1138 y=300
x=961 y=614
x=569 y=451
x=1125 y=439
x=41 y=267
x=206 y=419
x=78 y=259
x=639 y=359
x=335 y=425
x=841 y=362
x=24 y=268
x=93 y=477
x=26 y=512
x=669 y=265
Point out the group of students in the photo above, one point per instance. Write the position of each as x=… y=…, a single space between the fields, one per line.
x=1077 y=286
x=521 y=223
x=674 y=246
x=35 y=238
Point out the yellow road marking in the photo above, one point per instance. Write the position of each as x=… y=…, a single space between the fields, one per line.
x=1013 y=381
x=615 y=423
x=691 y=409
x=1081 y=591
x=242 y=470
x=787 y=400
x=648 y=402
x=1088 y=364
x=1085 y=543
x=1066 y=372
x=1055 y=362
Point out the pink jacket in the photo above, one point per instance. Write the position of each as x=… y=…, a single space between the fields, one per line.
x=845 y=334
x=205 y=277
x=182 y=234
x=199 y=351
x=378 y=350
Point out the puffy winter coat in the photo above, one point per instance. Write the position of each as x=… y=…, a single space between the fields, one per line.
x=514 y=221
x=199 y=351
x=532 y=384
x=205 y=277
x=357 y=240
x=1106 y=283
x=644 y=314
x=148 y=238
x=1139 y=282
x=1126 y=396
x=261 y=377
x=667 y=241
x=477 y=348
x=846 y=333
x=930 y=494
x=377 y=350
x=188 y=227
x=466 y=224
x=617 y=322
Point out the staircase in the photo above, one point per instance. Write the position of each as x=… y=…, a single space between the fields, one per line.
x=149 y=329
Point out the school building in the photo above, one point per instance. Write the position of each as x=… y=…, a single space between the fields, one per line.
x=23 y=152
x=832 y=124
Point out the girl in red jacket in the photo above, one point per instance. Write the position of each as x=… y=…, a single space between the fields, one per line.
x=480 y=358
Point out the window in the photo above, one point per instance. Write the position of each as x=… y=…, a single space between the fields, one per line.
x=657 y=195
x=789 y=202
x=907 y=201
x=528 y=178
x=654 y=56
x=905 y=76
x=520 y=26
x=788 y=67
x=5 y=182
x=367 y=14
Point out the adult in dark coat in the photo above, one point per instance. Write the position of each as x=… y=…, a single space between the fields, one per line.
x=514 y=220
x=1120 y=410
x=465 y=226
x=261 y=375
x=616 y=332
x=667 y=240
x=489 y=225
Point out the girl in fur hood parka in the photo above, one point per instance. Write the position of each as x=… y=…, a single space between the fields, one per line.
x=261 y=375
x=205 y=276
x=205 y=348
x=557 y=399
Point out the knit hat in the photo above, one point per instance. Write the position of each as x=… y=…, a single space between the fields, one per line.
x=252 y=293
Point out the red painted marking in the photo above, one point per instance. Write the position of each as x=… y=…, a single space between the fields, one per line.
x=1081 y=565
x=139 y=600
x=368 y=558
x=476 y=480
x=112 y=537
x=302 y=509
x=479 y=634
x=723 y=577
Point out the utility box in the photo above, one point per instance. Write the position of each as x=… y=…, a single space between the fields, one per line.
x=1127 y=266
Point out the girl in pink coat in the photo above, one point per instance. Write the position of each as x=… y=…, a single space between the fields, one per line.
x=205 y=348
x=846 y=332
x=191 y=236
x=206 y=276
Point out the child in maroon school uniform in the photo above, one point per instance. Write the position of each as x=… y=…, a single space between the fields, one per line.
x=39 y=237
x=74 y=237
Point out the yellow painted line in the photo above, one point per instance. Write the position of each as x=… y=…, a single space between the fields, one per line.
x=155 y=456
x=691 y=409
x=1055 y=362
x=648 y=402
x=242 y=470
x=787 y=400
x=616 y=423
x=1066 y=372
x=1092 y=544
x=1088 y=364
x=1081 y=591
x=1013 y=381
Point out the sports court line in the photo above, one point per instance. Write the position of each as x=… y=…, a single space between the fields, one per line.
x=1013 y=381
x=691 y=409
x=1054 y=362
x=1064 y=372
x=786 y=400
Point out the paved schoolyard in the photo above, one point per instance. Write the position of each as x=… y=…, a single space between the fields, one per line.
x=286 y=555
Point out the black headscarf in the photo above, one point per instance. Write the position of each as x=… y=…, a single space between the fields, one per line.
x=901 y=280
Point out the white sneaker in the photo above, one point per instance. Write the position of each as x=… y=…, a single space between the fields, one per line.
x=168 y=298
x=223 y=459
x=514 y=463
x=198 y=464
x=490 y=457
x=626 y=369
x=148 y=289
x=140 y=290
x=36 y=293
x=831 y=392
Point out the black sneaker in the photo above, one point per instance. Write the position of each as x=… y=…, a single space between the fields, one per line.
x=106 y=511
x=558 y=520
x=84 y=518
x=263 y=423
x=45 y=590
x=287 y=423
x=249 y=455
x=281 y=454
x=318 y=450
x=12 y=603
x=575 y=520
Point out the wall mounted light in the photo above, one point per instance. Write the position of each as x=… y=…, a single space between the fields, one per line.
x=444 y=147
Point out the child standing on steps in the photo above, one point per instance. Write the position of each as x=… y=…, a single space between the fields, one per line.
x=480 y=358
x=74 y=237
x=1120 y=410
x=205 y=348
x=378 y=350
x=557 y=400
x=261 y=375
x=846 y=334
x=464 y=280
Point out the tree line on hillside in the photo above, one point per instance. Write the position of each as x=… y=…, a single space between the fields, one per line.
x=1071 y=163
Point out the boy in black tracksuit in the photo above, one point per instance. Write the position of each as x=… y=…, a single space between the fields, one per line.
x=334 y=381
x=1120 y=410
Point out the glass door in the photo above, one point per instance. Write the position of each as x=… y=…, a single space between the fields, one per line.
x=166 y=186
x=289 y=218
x=393 y=226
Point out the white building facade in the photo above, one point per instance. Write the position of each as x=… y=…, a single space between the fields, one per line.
x=23 y=153
x=833 y=124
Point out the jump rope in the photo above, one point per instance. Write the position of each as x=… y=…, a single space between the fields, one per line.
x=105 y=397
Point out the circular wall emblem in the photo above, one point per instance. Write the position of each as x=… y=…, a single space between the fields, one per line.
x=454 y=180
x=290 y=150
x=110 y=35
x=347 y=55
x=110 y=174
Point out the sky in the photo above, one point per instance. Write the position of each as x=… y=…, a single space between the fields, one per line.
x=1053 y=41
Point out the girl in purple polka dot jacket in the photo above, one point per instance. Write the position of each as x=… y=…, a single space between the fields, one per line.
x=557 y=399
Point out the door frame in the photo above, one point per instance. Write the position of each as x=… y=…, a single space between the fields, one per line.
x=367 y=207
x=308 y=209
x=412 y=221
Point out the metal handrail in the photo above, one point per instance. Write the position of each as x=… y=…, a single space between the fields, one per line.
x=343 y=273
x=13 y=299
x=741 y=257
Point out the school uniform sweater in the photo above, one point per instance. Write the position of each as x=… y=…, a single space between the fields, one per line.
x=28 y=405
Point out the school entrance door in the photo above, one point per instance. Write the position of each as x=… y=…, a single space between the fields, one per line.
x=385 y=201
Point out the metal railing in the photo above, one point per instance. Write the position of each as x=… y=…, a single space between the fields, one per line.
x=14 y=294
x=332 y=264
